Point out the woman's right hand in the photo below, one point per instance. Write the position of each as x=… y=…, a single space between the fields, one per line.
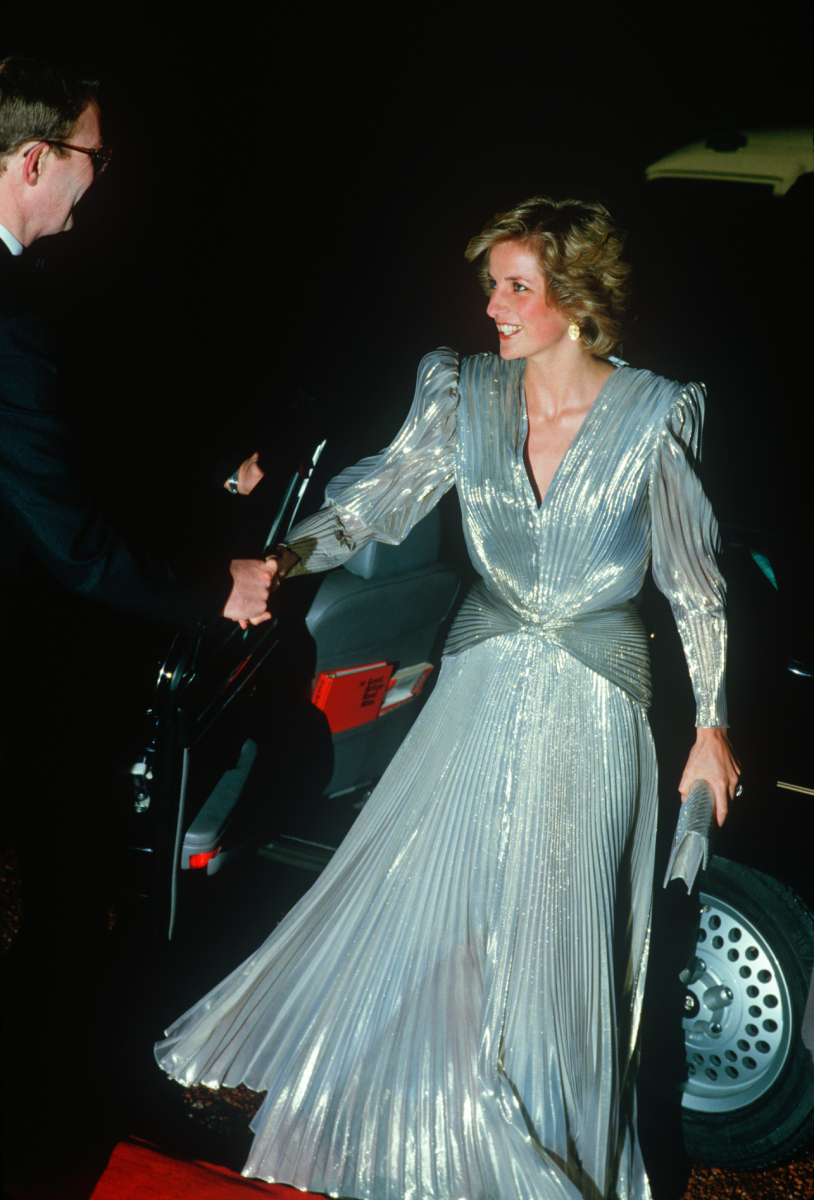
x=283 y=561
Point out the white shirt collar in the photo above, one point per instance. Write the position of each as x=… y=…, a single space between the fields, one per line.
x=14 y=246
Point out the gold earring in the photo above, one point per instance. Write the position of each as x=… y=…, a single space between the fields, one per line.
x=574 y=331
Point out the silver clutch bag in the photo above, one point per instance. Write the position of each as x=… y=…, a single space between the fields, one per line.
x=693 y=837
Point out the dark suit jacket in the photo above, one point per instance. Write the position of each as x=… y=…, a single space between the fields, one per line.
x=48 y=502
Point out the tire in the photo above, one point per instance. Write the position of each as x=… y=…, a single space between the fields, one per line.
x=748 y=1100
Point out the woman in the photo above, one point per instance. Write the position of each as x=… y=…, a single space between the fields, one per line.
x=452 y=1010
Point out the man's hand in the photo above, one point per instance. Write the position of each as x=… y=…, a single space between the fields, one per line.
x=249 y=475
x=278 y=565
x=251 y=580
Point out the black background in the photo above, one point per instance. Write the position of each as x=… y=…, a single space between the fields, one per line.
x=291 y=196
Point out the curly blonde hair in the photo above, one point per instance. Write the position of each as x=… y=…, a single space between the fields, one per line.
x=580 y=252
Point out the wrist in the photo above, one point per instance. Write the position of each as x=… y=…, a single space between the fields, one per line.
x=286 y=558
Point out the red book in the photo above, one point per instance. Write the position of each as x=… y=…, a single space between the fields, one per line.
x=405 y=685
x=353 y=696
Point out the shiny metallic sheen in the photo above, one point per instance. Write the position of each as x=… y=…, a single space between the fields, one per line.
x=694 y=835
x=451 y=1012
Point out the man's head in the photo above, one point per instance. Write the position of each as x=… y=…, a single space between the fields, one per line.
x=41 y=179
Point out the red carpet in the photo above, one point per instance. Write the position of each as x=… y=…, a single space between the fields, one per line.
x=138 y=1171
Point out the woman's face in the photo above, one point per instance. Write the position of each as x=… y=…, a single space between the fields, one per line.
x=526 y=325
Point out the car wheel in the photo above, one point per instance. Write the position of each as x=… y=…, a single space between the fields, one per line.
x=749 y=1096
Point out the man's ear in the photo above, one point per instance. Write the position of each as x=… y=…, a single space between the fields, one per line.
x=33 y=163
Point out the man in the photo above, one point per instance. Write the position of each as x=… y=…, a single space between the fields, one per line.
x=50 y=151
x=57 y=652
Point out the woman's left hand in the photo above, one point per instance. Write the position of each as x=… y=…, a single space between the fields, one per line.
x=712 y=758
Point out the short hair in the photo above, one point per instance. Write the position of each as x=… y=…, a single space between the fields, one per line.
x=580 y=252
x=39 y=102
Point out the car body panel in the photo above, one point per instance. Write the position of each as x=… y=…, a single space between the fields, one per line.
x=777 y=158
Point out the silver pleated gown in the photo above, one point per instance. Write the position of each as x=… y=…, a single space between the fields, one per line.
x=451 y=1011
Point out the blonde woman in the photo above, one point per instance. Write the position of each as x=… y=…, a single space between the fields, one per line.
x=452 y=1011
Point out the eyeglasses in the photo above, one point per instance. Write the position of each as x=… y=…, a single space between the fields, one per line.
x=101 y=158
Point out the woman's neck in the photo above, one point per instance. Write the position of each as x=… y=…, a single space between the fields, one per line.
x=564 y=378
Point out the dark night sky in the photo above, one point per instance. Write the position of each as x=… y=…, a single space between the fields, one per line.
x=291 y=205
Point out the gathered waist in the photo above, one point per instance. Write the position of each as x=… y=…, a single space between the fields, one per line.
x=611 y=641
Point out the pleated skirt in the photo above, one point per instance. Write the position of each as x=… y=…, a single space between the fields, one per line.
x=450 y=1012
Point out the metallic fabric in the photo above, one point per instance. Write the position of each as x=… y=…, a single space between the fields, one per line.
x=451 y=1012
x=695 y=833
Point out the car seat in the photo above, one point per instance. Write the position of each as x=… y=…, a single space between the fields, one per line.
x=386 y=604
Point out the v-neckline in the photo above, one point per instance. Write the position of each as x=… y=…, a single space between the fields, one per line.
x=524 y=435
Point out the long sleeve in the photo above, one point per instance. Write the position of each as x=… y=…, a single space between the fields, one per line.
x=48 y=503
x=381 y=498
x=685 y=540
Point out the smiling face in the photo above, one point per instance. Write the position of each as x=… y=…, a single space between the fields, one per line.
x=526 y=325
